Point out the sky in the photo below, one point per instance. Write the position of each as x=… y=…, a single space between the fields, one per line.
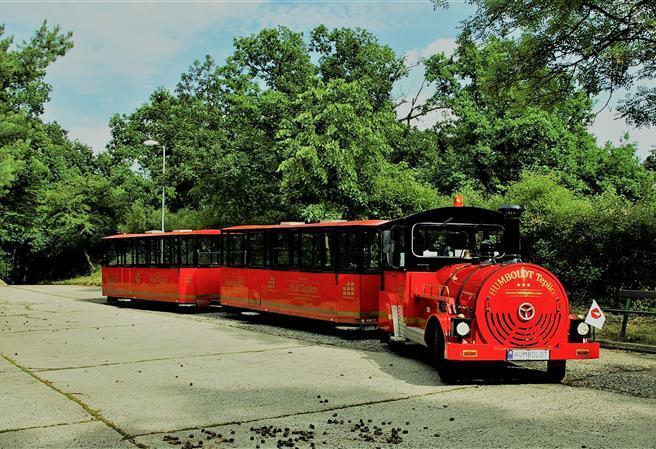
x=125 y=49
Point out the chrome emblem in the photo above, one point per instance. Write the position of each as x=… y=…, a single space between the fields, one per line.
x=526 y=311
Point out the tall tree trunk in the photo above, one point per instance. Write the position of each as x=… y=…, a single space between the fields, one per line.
x=88 y=259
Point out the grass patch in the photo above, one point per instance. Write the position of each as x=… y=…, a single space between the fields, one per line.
x=640 y=329
x=94 y=279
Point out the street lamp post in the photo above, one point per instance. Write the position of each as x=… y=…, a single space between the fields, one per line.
x=154 y=143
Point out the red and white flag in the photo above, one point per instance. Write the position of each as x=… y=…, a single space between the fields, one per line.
x=596 y=317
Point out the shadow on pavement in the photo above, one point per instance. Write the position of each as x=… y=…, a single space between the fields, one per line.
x=469 y=373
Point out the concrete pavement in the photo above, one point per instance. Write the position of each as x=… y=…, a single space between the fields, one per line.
x=78 y=373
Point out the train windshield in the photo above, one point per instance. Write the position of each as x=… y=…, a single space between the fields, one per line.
x=457 y=240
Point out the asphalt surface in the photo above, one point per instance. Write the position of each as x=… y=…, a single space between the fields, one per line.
x=75 y=372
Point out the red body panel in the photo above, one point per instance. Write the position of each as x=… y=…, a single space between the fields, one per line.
x=340 y=298
x=180 y=285
x=490 y=296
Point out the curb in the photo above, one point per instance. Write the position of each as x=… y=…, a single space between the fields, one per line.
x=627 y=346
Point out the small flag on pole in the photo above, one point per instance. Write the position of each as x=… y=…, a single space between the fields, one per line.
x=596 y=317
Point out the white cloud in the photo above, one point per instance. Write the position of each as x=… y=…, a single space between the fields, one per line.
x=609 y=127
x=96 y=137
x=442 y=45
x=383 y=16
x=131 y=40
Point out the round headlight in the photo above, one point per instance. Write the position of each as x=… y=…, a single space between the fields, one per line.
x=462 y=328
x=583 y=329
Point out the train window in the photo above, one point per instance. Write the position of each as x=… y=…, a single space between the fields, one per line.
x=311 y=248
x=256 y=250
x=157 y=251
x=398 y=256
x=317 y=250
x=235 y=250
x=349 y=251
x=113 y=256
x=371 y=251
x=305 y=252
x=295 y=249
x=207 y=250
x=434 y=240
x=170 y=251
x=393 y=247
x=326 y=250
x=141 y=251
x=489 y=242
x=280 y=249
x=128 y=252
x=187 y=251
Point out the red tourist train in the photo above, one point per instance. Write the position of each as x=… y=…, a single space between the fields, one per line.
x=181 y=267
x=450 y=279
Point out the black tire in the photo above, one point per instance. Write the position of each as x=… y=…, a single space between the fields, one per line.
x=185 y=309
x=396 y=347
x=384 y=337
x=447 y=369
x=556 y=370
x=112 y=300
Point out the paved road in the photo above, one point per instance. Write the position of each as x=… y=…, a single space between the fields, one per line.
x=78 y=373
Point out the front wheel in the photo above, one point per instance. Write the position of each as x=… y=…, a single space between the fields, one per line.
x=447 y=369
x=556 y=370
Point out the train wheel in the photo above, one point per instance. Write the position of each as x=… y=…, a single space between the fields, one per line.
x=112 y=300
x=556 y=370
x=447 y=369
x=384 y=336
x=396 y=345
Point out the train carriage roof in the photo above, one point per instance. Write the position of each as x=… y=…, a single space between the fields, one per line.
x=439 y=215
x=167 y=234
x=453 y=215
x=324 y=224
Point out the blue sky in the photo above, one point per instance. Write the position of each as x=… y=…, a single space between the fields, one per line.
x=124 y=49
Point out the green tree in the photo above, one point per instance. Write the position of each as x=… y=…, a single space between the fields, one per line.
x=336 y=159
x=650 y=160
x=602 y=46
x=232 y=131
x=494 y=130
x=356 y=55
x=54 y=204
x=23 y=69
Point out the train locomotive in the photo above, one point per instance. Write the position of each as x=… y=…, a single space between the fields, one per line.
x=450 y=279
x=454 y=282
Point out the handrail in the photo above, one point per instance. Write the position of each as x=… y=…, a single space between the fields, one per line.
x=629 y=296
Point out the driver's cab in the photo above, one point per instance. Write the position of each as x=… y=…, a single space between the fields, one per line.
x=435 y=238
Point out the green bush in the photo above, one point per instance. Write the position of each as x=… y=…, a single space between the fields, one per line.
x=594 y=244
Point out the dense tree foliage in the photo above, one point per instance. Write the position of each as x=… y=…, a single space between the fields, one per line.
x=282 y=137
x=53 y=205
x=295 y=126
x=494 y=130
x=600 y=45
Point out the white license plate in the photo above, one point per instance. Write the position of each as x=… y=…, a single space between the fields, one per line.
x=527 y=354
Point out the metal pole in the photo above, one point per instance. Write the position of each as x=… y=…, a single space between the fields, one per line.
x=625 y=318
x=163 y=187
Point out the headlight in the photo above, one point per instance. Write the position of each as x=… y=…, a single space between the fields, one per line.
x=462 y=328
x=582 y=329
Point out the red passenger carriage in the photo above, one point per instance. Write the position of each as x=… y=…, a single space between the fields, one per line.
x=328 y=271
x=180 y=267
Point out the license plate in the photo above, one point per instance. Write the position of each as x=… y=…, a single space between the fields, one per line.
x=527 y=354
